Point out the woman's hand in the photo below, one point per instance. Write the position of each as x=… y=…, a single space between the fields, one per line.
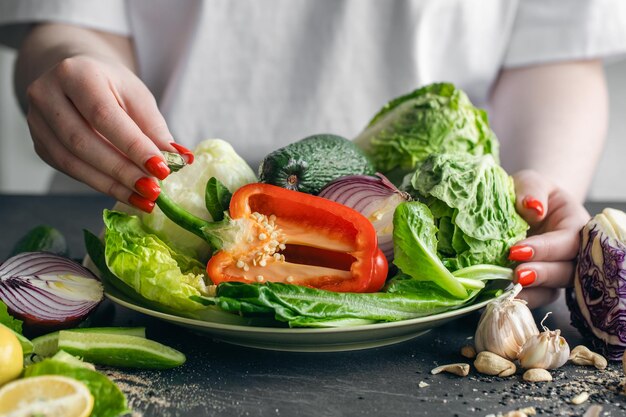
x=97 y=122
x=548 y=254
x=89 y=115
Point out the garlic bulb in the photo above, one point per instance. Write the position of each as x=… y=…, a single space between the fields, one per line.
x=504 y=326
x=548 y=350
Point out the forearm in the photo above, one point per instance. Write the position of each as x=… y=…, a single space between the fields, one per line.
x=552 y=119
x=48 y=44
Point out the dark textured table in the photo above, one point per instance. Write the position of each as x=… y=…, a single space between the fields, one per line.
x=222 y=379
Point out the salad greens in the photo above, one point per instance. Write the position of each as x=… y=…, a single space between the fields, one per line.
x=437 y=118
x=298 y=306
x=149 y=266
x=415 y=248
x=109 y=401
x=473 y=202
x=8 y=320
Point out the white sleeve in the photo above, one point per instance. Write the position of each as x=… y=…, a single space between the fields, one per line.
x=556 y=30
x=16 y=16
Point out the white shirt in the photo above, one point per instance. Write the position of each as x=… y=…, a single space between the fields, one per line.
x=264 y=73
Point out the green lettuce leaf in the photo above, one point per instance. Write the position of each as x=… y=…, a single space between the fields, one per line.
x=437 y=118
x=415 y=248
x=308 y=307
x=109 y=401
x=473 y=203
x=8 y=320
x=149 y=266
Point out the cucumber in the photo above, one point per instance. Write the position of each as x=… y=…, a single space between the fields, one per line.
x=42 y=239
x=311 y=163
x=48 y=344
x=120 y=350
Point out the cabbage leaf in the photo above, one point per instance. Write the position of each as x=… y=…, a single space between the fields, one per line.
x=437 y=118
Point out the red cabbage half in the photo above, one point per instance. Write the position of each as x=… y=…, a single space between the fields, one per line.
x=598 y=300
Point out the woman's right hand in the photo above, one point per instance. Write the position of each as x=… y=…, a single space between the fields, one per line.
x=96 y=121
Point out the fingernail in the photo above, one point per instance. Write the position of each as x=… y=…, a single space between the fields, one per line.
x=183 y=151
x=157 y=167
x=148 y=188
x=525 y=277
x=531 y=203
x=521 y=253
x=141 y=203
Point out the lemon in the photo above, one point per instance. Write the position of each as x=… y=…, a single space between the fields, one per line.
x=46 y=396
x=11 y=356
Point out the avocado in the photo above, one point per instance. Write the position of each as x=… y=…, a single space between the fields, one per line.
x=311 y=163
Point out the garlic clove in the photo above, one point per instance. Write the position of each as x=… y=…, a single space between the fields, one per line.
x=491 y=364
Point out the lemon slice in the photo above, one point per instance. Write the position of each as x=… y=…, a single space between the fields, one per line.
x=46 y=396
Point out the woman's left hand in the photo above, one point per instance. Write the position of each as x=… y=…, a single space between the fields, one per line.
x=548 y=255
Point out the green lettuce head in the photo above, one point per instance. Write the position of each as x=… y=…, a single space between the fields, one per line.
x=473 y=202
x=438 y=118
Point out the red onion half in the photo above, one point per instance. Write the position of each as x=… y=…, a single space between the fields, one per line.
x=374 y=197
x=48 y=290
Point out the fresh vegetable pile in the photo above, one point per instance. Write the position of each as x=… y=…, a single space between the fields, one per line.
x=322 y=239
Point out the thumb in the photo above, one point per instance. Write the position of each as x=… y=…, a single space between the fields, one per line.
x=531 y=196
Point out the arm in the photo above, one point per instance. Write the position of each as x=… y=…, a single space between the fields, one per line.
x=89 y=115
x=552 y=119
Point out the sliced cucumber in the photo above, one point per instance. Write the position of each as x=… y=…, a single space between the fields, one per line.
x=120 y=350
x=47 y=345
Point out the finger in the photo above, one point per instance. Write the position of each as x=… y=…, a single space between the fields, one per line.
x=55 y=154
x=559 y=245
x=545 y=274
x=142 y=107
x=531 y=194
x=539 y=296
x=86 y=144
x=96 y=102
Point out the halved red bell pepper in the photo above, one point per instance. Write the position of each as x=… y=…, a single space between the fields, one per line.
x=281 y=235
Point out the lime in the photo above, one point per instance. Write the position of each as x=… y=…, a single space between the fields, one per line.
x=49 y=395
x=11 y=356
x=47 y=345
x=120 y=350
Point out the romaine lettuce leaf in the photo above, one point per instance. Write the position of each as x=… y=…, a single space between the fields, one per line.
x=415 y=248
x=480 y=223
x=309 y=307
x=149 y=266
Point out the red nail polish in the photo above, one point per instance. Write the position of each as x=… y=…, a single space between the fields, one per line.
x=148 y=188
x=183 y=151
x=531 y=203
x=141 y=203
x=157 y=167
x=521 y=253
x=525 y=277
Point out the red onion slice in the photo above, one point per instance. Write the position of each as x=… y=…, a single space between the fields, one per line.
x=48 y=290
x=374 y=197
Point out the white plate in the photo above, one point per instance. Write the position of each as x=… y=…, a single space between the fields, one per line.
x=220 y=327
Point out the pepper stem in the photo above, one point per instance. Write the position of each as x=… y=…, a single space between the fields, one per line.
x=180 y=216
